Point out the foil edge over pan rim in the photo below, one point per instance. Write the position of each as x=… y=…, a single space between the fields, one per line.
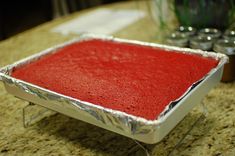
x=5 y=71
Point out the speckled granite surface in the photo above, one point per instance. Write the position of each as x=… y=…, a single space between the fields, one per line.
x=61 y=135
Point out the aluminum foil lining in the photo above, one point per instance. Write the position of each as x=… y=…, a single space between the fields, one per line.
x=130 y=124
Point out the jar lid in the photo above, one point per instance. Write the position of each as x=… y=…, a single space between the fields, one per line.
x=211 y=32
x=187 y=30
x=229 y=34
x=225 y=46
x=177 y=39
x=201 y=42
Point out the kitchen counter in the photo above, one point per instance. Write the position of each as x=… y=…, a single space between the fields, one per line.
x=60 y=135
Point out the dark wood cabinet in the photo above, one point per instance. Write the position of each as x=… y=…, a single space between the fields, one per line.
x=17 y=16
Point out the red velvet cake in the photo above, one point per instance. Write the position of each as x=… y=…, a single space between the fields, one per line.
x=135 y=79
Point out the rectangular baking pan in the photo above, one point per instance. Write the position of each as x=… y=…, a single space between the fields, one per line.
x=147 y=131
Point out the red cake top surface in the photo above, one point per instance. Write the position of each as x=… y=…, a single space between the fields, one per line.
x=138 y=80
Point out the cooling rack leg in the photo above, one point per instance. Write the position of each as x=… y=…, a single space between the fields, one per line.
x=146 y=150
x=204 y=113
x=139 y=147
x=33 y=113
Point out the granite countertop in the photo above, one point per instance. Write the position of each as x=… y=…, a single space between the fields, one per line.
x=61 y=135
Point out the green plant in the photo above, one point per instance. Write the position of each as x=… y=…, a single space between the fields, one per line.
x=231 y=13
x=205 y=13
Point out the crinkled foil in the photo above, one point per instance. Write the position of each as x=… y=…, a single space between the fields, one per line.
x=117 y=121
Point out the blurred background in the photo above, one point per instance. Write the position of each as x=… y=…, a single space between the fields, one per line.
x=18 y=16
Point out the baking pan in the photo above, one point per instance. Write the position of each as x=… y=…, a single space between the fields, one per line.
x=147 y=131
